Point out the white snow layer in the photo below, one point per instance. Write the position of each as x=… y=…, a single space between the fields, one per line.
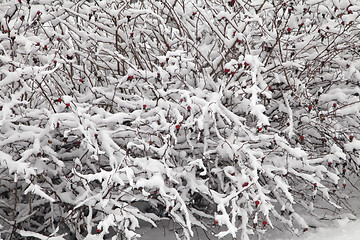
x=345 y=230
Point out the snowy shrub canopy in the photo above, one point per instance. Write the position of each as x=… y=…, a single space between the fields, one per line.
x=236 y=116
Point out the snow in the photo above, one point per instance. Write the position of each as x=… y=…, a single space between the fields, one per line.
x=40 y=236
x=343 y=230
x=186 y=114
x=38 y=191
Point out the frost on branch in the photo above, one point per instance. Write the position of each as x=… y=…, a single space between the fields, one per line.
x=234 y=117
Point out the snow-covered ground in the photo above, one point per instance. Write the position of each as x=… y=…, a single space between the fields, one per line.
x=341 y=230
x=345 y=230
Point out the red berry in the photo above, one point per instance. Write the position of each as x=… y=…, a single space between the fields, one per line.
x=96 y=135
x=59 y=39
x=45 y=47
x=302 y=138
x=315 y=184
x=329 y=164
x=144 y=106
x=288 y=29
x=302 y=24
x=310 y=107
x=181 y=100
x=351 y=137
x=226 y=70
x=344 y=170
x=130 y=77
x=38 y=12
x=259 y=129
x=131 y=34
x=170 y=208
x=342 y=23
x=344 y=185
x=67 y=104
x=38 y=44
x=194 y=13
x=334 y=105
x=19 y=1
x=245 y=184
x=155 y=192
x=81 y=80
x=257 y=203
x=216 y=222
x=98 y=230
x=55 y=61
x=264 y=223
x=57 y=125
x=270 y=88
x=233 y=174
x=59 y=100
x=188 y=108
x=177 y=127
x=246 y=64
x=305 y=229
x=233 y=73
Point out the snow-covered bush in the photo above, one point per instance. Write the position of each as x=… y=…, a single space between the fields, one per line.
x=233 y=116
